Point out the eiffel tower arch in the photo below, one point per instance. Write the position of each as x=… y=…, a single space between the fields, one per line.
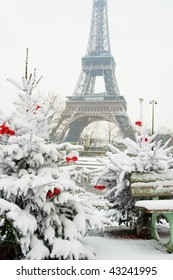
x=85 y=106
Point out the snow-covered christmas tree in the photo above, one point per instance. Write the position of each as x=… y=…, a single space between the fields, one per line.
x=41 y=213
x=142 y=155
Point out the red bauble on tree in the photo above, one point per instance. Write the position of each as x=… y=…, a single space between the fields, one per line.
x=5 y=130
x=2 y=127
x=74 y=158
x=68 y=159
x=50 y=194
x=138 y=123
x=38 y=107
x=57 y=191
x=99 y=187
x=11 y=132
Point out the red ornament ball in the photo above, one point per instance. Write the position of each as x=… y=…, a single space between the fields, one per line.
x=11 y=132
x=99 y=187
x=50 y=194
x=5 y=130
x=37 y=107
x=68 y=159
x=74 y=158
x=57 y=191
x=138 y=123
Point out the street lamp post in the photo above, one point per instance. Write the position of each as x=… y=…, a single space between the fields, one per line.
x=153 y=103
x=141 y=109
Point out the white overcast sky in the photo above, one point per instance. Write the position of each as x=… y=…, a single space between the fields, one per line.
x=56 y=33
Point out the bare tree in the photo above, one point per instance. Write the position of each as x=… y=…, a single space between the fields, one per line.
x=55 y=107
x=100 y=132
x=111 y=132
x=88 y=135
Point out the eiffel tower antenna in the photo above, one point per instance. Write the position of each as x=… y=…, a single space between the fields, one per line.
x=99 y=42
x=85 y=106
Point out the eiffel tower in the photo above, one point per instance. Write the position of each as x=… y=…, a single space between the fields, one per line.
x=85 y=106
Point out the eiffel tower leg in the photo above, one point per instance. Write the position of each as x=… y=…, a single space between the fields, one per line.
x=85 y=84
x=110 y=82
x=125 y=126
x=75 y=130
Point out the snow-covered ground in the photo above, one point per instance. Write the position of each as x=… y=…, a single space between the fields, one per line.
x=127 y=249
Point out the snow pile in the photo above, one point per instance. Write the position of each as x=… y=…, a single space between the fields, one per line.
x=164 y=204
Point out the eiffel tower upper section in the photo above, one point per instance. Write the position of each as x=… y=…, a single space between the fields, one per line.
x=98 y=60
x=99 y=42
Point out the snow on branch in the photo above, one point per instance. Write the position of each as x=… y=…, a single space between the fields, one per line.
x=26 y=85
x=21 y=219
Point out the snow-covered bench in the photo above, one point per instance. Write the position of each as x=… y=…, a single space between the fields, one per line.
x=157 y=188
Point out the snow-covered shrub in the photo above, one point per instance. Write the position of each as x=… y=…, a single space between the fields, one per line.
x=142 y=155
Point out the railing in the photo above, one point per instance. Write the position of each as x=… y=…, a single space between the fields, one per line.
x=98 y=97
